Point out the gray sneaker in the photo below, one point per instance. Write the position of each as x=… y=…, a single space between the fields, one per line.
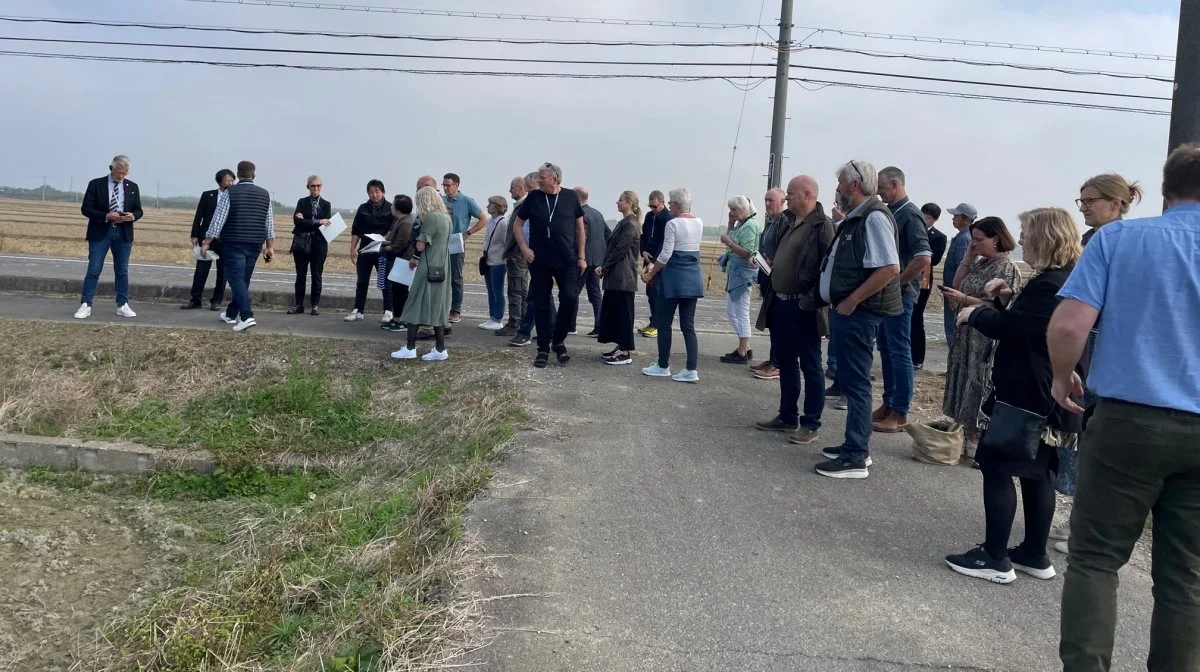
x=839 y=403
x=803 y=436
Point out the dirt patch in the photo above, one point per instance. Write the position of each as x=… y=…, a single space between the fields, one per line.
x=73 y=561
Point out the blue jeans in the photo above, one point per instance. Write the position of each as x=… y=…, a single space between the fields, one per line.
x=664 y=312
x=895 y=350
x=830 y=356
x=97 y=251
x=855 y=338
x=239 y=266
x=456 y=283
x=495 y=290
x=529 y=319
x=796 y=342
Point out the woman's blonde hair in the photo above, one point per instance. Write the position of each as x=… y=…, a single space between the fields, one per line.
x=1113 y=186
x=1050 y=238
x=429 y=200
x=635 y=208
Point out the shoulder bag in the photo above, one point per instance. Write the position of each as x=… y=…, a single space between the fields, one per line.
x=483 y=265
x=1013 y=432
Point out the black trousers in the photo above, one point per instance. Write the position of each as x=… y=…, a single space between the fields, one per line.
x=1000 y=509
x=918 y=328
x=200 y=278
x=314 y=259
x=399 y=291
x=367 y=270
x=595 y=296
x=541 y=286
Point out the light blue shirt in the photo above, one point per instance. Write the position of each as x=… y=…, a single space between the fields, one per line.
x=120 y=193
x=462 y=209
x=1144 y=275
x=955 y=256
x=881 y=246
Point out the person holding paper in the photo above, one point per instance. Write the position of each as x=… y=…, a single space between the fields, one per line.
x=429 y=297
x=791 y=309
x=398 y=249
x=205 y=210
x=741 y=244
x=372 y=218
x=309 y=247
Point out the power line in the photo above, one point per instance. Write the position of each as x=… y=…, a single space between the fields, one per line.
x=992 y=64
x=988 y=44
x=381 y=36
x=822 y=83
x=414 y=11
x=551 y=61
x=559 y=75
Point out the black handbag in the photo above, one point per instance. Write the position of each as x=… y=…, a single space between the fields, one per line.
x=302 y=243
x=435 y=274
x=1013 y=432
x=483 y=265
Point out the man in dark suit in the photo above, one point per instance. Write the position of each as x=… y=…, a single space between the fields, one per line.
x=111 y=204
x=205 y=210
x=597 y=241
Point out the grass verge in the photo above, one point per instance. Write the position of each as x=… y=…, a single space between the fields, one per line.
x=351 y=568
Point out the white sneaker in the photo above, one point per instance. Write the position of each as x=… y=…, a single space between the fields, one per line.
x=491 y=325
x=404 y=353
x=1062 y=547
x=354 y=316
x=126 y=311
x=1061 y=532
x=656 y=371
x=387 y=317
x=436 y=356
x=243 y=325
x=225 y=318
x=84 y=312
x=686 y=376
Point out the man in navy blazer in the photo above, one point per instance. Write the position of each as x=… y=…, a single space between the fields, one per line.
x=205 y=210
x=111 y=204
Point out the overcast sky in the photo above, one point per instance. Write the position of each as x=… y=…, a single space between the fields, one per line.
x=180 y=123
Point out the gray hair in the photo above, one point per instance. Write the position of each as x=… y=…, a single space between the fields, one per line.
x=741 y=204
x=551 y=168
x=119 y=160
x=657 y=195
x=311 y=178
x=681 y=197
x=862 y=172
x=892 y=174
x=531 y=180
x=429 y=200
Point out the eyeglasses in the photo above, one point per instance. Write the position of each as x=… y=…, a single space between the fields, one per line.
x=1087 y=202
x=857 y=171
x=314 y=186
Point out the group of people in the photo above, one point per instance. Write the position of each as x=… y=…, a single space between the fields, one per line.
x=1118 y=309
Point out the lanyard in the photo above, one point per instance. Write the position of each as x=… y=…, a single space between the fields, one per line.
x=550 y=211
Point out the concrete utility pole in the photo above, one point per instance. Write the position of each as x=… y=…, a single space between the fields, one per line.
x=44 y=187
x=782 y=71
x=1185 y=107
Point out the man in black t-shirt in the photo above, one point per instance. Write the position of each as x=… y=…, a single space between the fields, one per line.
x=555 y=253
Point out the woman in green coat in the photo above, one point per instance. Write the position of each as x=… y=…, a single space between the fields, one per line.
x=429 y=296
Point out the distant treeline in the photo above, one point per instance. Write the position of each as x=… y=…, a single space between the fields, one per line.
x=165 y=203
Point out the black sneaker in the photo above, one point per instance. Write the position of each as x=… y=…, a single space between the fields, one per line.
x=842 y=468
x=835 y=453
x=618 y=360
x=394 y=325
x=519 y=341
x=610 y=353
x=831 y=374
x=776 y=425
x=190 y=306
x=833 y=391
x=295 y=310
x=736 y=358
x=506 y=330
x=1037 y=567
x=978 y=564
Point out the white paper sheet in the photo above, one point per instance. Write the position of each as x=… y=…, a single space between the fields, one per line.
x=373 y=248
x=211 y=256
x=456 y=244
x=336 y=226
x=763 y=264
x=402 y=274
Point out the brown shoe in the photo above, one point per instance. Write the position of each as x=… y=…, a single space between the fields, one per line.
x=894 y=423
x=768 y=372
x=760 y=366
x=880 y=414
x=803 y=436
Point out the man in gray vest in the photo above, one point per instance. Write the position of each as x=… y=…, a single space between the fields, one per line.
x=860 y=281
x=245 y=223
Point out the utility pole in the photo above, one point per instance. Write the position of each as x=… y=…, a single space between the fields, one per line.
x=43 y=187
x=782 y=72
x=1185 y=107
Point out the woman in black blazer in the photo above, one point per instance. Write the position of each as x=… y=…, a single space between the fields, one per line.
x=1022 y=377
x=309 y=247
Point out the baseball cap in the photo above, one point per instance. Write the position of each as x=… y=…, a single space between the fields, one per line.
x=965 y=209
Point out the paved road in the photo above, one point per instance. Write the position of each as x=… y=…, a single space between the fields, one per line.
x=663 y=533
x=274 y=287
